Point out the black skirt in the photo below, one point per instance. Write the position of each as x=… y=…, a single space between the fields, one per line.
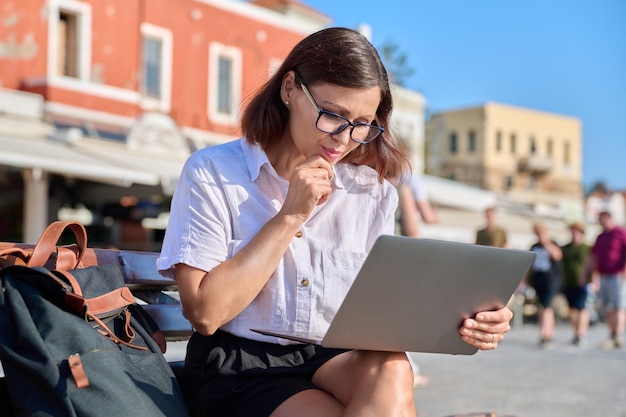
x=230 y=376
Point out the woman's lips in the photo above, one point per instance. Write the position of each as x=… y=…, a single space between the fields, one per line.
x=331 y=153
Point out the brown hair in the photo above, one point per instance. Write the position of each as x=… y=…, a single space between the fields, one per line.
x=337 y=56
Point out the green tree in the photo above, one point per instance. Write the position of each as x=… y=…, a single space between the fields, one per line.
x=396 y=62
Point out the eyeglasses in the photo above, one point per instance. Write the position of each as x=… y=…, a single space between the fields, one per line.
x=329 y=122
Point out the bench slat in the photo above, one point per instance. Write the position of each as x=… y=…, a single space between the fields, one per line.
x=170 y=319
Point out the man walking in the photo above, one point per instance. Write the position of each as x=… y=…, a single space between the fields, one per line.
x=609 y=260
x=492 y=234
x=575 y=280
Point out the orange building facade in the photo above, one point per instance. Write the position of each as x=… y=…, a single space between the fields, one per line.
x=126 y=57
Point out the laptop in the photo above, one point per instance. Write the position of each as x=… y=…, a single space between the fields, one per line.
x=413 y=294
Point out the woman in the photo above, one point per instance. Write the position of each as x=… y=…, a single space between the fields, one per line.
x=545 y=275
x=270 y=230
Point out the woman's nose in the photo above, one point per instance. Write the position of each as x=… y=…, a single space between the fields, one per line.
x=343 y=137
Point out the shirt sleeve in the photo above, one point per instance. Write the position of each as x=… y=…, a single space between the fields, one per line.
x=198 y=230
x=418 y=187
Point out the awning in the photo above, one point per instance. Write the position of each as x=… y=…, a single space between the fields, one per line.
x=59 y=158
x=449 y=193
x=165 y=167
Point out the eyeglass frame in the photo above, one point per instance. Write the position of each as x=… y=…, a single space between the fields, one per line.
x=352 y=125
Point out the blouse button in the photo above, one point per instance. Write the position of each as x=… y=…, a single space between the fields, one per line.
x=304 y=282
x=298 y=234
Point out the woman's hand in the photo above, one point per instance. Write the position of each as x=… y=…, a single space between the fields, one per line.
x=309 y=186
x=487 y=329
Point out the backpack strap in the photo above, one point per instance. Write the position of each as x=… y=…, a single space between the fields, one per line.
x=114 y=300
x=120 y=299
x=106 y=332
x=13 y=256
x=66 y=257
x=148 y=323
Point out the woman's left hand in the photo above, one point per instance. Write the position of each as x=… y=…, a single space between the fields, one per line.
x=487 y=329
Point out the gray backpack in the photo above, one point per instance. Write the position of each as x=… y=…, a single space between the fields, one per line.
x=75 y=343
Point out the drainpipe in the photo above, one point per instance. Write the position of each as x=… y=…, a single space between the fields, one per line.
x=36 y=183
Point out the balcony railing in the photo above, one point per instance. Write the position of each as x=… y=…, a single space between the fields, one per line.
x=535 y=164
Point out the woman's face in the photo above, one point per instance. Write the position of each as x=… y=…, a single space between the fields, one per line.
x=355 y=104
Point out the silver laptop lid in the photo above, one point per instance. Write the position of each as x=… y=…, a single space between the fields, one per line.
x=413 y=294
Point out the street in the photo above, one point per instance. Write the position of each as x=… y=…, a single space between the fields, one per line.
x=519 y=379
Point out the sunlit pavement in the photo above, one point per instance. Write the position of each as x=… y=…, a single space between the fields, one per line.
x=520 y=379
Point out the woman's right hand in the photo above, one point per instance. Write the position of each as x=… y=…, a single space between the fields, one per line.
x=309 y=186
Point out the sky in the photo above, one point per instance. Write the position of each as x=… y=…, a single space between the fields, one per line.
x=560 y=56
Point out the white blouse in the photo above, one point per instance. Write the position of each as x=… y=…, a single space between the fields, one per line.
x=226 y=193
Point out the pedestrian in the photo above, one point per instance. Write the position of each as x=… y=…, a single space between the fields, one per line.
x=491 y=234
x=545 y=278
x=576 y=280
x=414 y=206
x=269 y=231
x=419 y=193
x=609 y=261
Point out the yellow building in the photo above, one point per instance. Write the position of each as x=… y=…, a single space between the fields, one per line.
x=526 y=154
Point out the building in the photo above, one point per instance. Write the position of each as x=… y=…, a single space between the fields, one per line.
x=408 y=124
x=524 y=155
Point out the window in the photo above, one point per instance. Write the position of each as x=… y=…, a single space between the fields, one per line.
x=471 y=141
x=156 y=67
x=550 y=147
x=69 y=46
x=453 y=143
x=225 y=73
x=513 y=143
x=533 y=146
x=508 y=182
x=567 y=158
x=67 y=51
x=224 y=85
x=498 y=141
x=152 y=74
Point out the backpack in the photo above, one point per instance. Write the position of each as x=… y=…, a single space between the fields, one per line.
x=75 y=342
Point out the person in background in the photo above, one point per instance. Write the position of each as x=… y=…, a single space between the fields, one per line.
x=545 y=278
x=427 y=212
x=576 y=280
x=609 y=261
x=491 y=234
x=414 y=206
x=269 y=231
x=603 y=199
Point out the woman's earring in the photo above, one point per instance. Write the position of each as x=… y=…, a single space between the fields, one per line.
x=287 y=103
